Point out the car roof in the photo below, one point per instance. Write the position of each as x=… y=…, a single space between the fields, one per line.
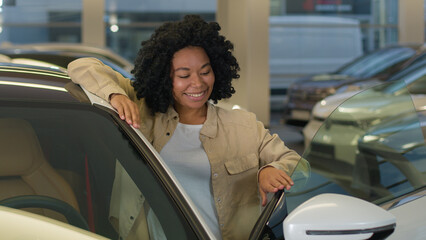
x=20 y=82
x=59 y=58
x=76 y=48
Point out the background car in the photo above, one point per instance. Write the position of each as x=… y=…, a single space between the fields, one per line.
x=53 y=58
x=413 y=75
x=406 y=68
x=303 y=94
x=72 y=163
x=74 y=48
x=396 y=148
x=386 y=164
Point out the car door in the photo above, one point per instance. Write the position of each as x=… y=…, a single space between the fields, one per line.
x=384 y=164
x=90 y=160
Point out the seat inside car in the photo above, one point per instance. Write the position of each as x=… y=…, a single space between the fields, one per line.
x=24 y=169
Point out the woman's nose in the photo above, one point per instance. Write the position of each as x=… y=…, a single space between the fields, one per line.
x=196 y=80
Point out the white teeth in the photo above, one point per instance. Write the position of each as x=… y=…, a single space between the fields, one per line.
x=195 y=94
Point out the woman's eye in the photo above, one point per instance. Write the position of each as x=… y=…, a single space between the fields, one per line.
x=205 y=73
x=186 y=76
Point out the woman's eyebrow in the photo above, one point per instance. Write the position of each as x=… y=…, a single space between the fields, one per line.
x=187 y=69
x=182 y=69
x=205 y=65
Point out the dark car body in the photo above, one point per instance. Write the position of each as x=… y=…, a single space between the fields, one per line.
x=378 y=65
x=82 y=144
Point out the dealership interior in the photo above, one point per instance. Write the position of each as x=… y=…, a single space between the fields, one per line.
x=276 y=42
x=341 y=82
x=121 y=25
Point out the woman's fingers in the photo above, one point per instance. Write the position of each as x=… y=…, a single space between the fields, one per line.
x=135 y=115
x=127 y=113
x=263 y=196
x=287 y=178
x=284 y=181
x=272 y=180
x=126 y=108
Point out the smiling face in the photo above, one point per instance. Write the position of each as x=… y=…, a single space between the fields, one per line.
x=193 y=79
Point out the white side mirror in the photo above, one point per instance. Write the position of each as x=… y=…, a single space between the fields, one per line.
x=335 y=216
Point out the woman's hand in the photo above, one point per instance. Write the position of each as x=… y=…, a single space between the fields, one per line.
x=127 y=109
x=272 y=180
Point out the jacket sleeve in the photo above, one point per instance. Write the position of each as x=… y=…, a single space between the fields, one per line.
x=273 y=152
x=99 y=78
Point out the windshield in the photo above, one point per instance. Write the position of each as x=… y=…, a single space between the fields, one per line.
x=414 y=82
x=377 y=62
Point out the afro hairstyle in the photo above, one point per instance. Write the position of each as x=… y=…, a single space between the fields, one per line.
x=153 y=62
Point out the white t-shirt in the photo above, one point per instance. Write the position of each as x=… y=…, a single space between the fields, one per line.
x=185 y=156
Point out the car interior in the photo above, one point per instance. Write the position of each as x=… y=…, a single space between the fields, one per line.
x=66 y=153
x=24 y=169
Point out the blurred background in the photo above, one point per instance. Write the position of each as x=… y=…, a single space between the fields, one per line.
x=293 y=54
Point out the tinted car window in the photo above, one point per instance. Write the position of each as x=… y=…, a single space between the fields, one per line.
x=376 y=62
x=91 y=155
x=413 y=82
x=413 y=66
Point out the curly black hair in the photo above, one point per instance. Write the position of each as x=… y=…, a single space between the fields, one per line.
x=153 y=62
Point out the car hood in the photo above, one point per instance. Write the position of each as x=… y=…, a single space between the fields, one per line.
x=373 y=105
x=370 y=100
x=325 y=107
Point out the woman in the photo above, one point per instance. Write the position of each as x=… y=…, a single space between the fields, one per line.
x=223 y=159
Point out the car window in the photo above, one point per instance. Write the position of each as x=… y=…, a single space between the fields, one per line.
x=377 y=62
x=415 y=65
x=79 y=155
x=371 y=147
x=414 y=82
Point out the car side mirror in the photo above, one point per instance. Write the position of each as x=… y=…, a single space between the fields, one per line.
x=335 y=216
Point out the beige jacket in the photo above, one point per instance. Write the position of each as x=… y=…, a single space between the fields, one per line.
x=237 y=146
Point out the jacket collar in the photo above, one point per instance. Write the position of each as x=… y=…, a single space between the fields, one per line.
x=209 y=128
x=171 y=114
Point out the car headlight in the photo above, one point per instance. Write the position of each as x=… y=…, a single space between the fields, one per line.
x=369 y=138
